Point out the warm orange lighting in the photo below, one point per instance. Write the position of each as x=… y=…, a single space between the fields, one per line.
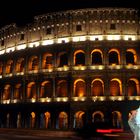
x=33 y=115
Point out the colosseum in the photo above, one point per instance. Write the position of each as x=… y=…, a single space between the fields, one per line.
x=71 y=68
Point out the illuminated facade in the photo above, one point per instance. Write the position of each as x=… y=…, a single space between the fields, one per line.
x=67 y=69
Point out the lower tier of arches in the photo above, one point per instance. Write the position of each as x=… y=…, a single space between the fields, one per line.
x=67 y=115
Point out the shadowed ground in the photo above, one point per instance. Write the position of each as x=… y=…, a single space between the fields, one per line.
x=28 y=134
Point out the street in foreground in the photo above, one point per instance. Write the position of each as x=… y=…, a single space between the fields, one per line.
x=25 y=134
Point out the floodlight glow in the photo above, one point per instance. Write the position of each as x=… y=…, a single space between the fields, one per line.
x=21 y=47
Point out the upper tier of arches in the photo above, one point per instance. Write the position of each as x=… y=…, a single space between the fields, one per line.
x=59 y=27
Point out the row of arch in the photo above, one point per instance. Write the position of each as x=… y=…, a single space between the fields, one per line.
x=62 y=120
x=47 y=60
x=46 y=89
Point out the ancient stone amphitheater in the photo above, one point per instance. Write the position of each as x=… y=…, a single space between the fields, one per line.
x=71 y=68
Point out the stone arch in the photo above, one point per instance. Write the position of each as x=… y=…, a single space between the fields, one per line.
x=63 y=59
x=47 y=61
x=131 y=57
x=133 y=87
x=20 y=65
x=7 y=92
x=46 y=89
x=32 y=119
x=62 y=89
x=79 y=88
x=97 y=116
x=45 y=120
x=97 y=57
x=33 y=63
x=79 y=58
x=18 y=91
x=31 y=90
x=97 y=87
x=115 y=87
x=63 y=120
x=9 y=66
x=117 y=119
x=114 y=57
x=79 y=119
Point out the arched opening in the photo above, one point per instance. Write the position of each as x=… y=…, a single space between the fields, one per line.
x=33 y=115
x=97 y=117
x=117 y=119
x=114 y=57
x=97 y=87
x=79 y=58
x=97 y=57
x=18 y=91
x=33 y=63
x=79 y=88
x=62 y=89
x=9 y=66
x=19 y=120
x=31 y=90
x=131 y=57
x=133 y=87
x=20 y=65
x=47 y=61
x=63 y=59
x=7 y=92
x=8 y=120
x=46 y=89
x=79 y=119
x=115 y=87
x=45 y=120
x=98 y=120
x=63 y=120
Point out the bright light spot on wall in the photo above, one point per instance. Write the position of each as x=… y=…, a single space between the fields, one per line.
x=129 y=37
x=79 y=99
x=79 y=38
x=96 y=38
x=137 y=98
x=33 y=71
x=47 y=42
x=134 y=98
x=33 y=100
x=113 y=37
x=9 y=75
x=15 y=101
x=2 y=52
x=20 y=47
x=61 y=99
x=8 y=50
x=101 y=98
x=34 y=44
x=114 y=66
x=119 y=98
x=6 y=101
x=64 y=68
x=79 y=67
x=42 y=100
x=20 y=73
x=48 y=99
x=63 y=40
x=99 y=67
x=65 y=99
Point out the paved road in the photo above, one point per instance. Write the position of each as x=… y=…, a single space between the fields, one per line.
x=24 y=134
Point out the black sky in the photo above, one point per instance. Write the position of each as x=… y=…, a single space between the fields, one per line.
x=23 y=11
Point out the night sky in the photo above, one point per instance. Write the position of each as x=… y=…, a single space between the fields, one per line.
x=23 y=11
